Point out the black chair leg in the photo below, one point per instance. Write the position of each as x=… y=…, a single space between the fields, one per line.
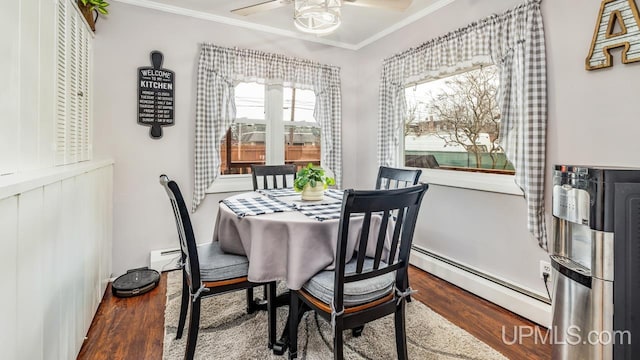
x=401 y=333
x=194 y=323
x=357 y=332
x=251 y=305
x=271 y=310
x=184 y=306
x=338 y=342
x=294 y=308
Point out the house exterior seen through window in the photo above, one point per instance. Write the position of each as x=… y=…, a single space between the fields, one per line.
x=274 y=125
x=453 y=123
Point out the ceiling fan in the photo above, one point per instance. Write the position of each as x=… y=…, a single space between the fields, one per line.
x=397 y=5
x=319 y=17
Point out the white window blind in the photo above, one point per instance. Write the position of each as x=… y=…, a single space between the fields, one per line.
x=73 y=59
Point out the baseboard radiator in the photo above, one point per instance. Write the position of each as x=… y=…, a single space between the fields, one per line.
x=517 y=299
x=164 y=260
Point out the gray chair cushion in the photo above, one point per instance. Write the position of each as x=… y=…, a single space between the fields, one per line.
x=355 y=293
x=215 y=265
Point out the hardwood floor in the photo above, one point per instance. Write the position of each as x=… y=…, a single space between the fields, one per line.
x=133 y=328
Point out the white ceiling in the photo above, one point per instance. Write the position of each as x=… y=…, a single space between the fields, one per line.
x=360 y=25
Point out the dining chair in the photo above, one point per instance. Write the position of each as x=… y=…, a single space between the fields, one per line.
x=273 y=172
x=389 y=178
x=365 y=288
x=207 y=271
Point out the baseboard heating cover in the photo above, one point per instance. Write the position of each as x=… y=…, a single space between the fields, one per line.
x=164 y=260
x=509 y=296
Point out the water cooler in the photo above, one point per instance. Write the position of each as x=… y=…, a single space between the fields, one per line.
x=595 y=258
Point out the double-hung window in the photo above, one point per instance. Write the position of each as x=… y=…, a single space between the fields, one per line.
x=274 y=125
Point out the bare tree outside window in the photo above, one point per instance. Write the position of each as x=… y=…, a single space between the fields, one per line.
x=457 y=121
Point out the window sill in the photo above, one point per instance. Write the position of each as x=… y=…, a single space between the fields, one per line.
x=231 y=183
x=498 y=183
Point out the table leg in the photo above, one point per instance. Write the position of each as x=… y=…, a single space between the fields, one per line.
x=281 y=346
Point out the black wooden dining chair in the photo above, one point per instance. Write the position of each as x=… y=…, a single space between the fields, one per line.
x=207 y=271
x=393 y=178
x=273 y=172
x=365 y=288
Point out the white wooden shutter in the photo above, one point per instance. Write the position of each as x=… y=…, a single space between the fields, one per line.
x=61 y=82
x=73 y=61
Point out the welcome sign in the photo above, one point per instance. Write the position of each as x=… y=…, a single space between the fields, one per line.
x=155 y=96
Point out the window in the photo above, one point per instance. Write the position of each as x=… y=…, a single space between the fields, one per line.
x=274 y=125
x=454 y=123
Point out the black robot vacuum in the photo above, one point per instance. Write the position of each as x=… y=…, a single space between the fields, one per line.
x=135 y=282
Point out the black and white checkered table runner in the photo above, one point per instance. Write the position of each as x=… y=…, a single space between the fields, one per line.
x=270 y=203
x=321 y=212
x=274 y=193
x=257 y=205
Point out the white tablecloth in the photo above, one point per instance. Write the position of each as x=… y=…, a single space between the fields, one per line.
x=287 y=246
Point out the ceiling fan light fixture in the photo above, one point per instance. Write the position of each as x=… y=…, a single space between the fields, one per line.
x=319 y=17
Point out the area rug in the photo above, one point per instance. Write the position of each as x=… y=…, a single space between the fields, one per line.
x=228 y=332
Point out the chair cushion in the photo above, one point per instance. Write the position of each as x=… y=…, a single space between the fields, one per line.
x=215 y=265
x=355 y=293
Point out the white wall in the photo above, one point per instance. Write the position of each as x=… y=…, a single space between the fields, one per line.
x=591 y=120
x=142 y=219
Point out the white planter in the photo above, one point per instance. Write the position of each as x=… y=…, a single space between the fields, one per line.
x=313 y=193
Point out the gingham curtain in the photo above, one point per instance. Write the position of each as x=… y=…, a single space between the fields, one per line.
x=514 y=41
x=219 y=68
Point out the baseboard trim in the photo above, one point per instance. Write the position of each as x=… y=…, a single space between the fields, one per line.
x=517 y=302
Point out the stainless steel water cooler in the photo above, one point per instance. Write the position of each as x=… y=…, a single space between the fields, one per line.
x=595 y=258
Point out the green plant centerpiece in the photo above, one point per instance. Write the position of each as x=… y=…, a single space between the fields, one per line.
x=312 y=182
x=89 y=7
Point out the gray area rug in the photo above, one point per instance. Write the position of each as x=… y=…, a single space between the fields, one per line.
x=228 y=332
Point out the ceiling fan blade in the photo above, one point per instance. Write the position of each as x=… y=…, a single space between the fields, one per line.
x=263 y=6
x=398 y=5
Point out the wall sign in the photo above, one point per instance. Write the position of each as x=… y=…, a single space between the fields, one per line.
x=155 y=96
x=618 y=26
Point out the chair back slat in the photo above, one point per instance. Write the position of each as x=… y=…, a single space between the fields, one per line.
x=273 y=172
x=382 y=236
x=396 y=232
x=399 y=177
x=379 y=204
x=364 y=239
x=186 y=236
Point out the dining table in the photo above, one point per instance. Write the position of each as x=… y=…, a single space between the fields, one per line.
x=286 y=238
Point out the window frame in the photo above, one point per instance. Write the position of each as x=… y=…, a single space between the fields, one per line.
x=274 y=146
x=471 y=180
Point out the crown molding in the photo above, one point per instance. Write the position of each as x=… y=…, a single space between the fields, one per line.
x=149 y=4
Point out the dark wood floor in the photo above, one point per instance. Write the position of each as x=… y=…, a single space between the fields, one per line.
x=134 y=328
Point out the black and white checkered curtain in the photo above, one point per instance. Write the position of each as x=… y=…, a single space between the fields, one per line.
x=514 y=41
x=219 y=68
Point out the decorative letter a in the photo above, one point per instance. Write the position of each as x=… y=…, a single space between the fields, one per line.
x=624 y=13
